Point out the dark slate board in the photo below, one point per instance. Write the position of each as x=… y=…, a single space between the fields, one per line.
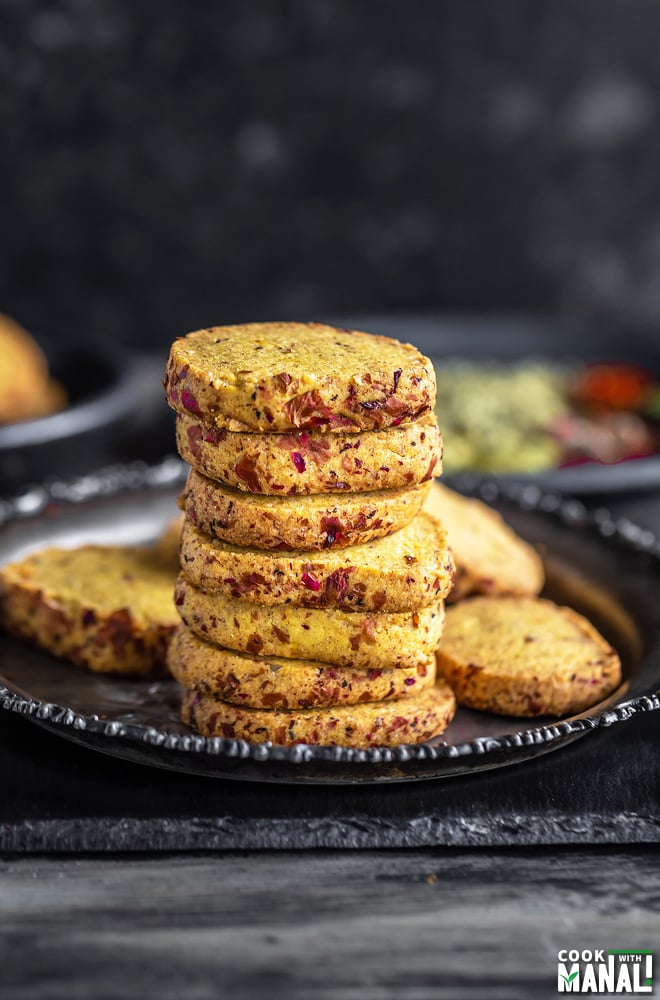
x=58 y=797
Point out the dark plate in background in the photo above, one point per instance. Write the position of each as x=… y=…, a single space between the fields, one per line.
x=514 y=338
x=108 y=393
x=592 y=564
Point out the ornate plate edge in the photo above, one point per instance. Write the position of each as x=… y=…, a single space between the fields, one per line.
x=171 y=471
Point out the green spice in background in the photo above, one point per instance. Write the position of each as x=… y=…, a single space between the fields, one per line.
x=493 y=418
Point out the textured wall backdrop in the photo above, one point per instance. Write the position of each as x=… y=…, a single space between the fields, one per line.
x=166 y=165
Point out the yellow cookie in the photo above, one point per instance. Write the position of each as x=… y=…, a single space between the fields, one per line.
x=103 y=607
x=347 y=638
x=525 y=656
x=166 y=546
x=272 y=682
x=401 y=572
x=490 y=557
x=26 y=390
x=281 y=464
x=319 y=521
x=388 y=723
x=290 y=376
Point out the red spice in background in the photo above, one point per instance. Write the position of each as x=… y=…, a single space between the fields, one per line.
x=617 y=386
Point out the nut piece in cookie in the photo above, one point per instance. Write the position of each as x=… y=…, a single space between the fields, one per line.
x=372 y=724
x=490 y=557
x=106 y=608
x=297 y=376
x=525 y=656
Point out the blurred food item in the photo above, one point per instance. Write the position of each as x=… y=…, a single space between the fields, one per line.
x=603 y=437
x=490 y=558
x=166 y=546
x=495 y=418
x=535 y=416
x=107 y=608
x=613 y=387
x=26 y=388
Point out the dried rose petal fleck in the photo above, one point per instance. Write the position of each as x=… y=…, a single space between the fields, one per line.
x=215 y=435
x=298 y=461
x=190 y=403
x=246 y=470
x=429 y=473
x=311 y=582
x=308 y=410
x=337 y=584
x=194 y=435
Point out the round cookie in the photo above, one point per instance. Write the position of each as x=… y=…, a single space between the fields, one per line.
x=26 y=390
x=287 y=376
x=269 y=682
x=318 y=521
x=403 y=571
x=103 y=607
x=166 y=546
x=390 y=723
x=525 y=656
x=304 y=463
x=490 y=557
x=347 y=638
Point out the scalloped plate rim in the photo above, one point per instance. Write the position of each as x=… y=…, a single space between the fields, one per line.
x=125 y=478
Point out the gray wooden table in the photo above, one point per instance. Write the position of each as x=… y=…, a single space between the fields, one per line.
x=403 y=925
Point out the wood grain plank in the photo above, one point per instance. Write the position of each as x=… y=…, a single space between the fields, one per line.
x=442 y=924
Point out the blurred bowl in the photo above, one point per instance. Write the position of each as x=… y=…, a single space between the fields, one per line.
x=105 y=395
x=509 y=339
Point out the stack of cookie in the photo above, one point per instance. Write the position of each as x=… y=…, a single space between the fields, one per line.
x=312 y=584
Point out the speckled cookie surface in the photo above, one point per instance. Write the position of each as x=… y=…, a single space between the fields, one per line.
x=272 y=682
x=307 y=462
x=348 y=638
x=389 y=723
x=525 y=656
x=106 y=608
x=490 y=557
x=402 y=572
x=288 y=376
x=317 y=521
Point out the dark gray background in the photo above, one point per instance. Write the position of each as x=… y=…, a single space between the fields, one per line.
x=165 y=165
